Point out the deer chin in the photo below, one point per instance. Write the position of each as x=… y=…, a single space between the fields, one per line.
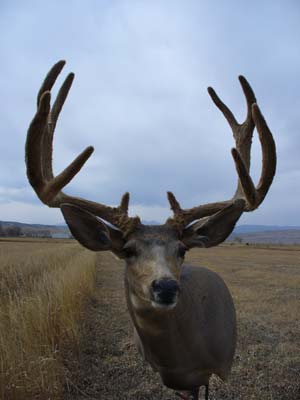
x=143 y=302
x=164 y=306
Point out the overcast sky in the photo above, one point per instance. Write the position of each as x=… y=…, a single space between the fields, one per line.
x=140 y=98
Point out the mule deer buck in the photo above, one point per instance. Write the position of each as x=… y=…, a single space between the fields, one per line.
x=183 y=316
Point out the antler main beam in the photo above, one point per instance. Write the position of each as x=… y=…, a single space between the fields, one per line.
x=242 y=134
x=39 y=149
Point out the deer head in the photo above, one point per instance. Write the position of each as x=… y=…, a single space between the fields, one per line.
x=153 y=254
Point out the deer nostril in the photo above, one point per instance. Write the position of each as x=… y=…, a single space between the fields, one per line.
x=165 y=290
x=165 y=285
x=156 y=287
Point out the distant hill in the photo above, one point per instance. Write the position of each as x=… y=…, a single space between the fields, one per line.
x=36 y=230
x=266 y=234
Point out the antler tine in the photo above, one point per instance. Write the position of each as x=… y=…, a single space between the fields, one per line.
x=242 y=134
x=47 y=137
x=39 y=158
x=124 y=204
x=245 y=179
x=33 y=144
x=175 y=206
x=268 y=154
x=50 y=79
x=61 y=98
x=249 y=95
x=222 y=107
x=60 y=181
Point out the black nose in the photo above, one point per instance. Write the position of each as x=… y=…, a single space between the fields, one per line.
x=165 y=290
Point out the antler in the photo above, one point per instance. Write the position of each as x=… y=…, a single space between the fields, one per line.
x=242 y=134
x=39 y=158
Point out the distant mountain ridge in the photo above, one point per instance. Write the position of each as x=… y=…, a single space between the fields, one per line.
x=23 y=224
x=263 y=228
x=266 y=234
x=249 y=228
x=237 y=229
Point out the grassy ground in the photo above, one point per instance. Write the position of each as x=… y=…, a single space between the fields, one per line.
x=43 y=288
x=265 y=283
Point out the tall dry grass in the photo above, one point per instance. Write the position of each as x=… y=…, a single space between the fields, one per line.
x=43 y=288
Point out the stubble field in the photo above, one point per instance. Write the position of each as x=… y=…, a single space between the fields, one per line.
x=98 y=360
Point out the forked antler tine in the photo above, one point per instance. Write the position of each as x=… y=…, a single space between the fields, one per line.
x=255 y=195
x=47 y=190
x=250 y=99
x=53 y=185
x=50 y=79
x=241 y=154
x=33 y=144
x=268 y=153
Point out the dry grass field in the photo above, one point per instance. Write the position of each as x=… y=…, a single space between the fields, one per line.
x=43 y=287
x=61 y=337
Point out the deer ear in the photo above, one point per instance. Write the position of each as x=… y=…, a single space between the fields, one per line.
x=211 y=231
x=90 y=231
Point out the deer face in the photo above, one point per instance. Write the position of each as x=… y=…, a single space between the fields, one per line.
x=153 y=254
x=153 y=265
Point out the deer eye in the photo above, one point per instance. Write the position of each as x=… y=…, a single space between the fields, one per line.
x=130 y=250
x=181 y=251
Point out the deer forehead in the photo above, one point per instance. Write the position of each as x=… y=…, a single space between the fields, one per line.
x=155 y=257
x=155 y=250
x=155 y=246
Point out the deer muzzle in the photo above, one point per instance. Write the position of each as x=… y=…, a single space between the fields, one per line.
x=165 y=293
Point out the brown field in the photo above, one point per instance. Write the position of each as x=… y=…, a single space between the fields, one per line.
x=98 y=359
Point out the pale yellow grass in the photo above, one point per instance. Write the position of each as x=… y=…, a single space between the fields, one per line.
x=43 y=287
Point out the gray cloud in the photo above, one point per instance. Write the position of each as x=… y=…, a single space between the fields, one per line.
x=140 y=98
